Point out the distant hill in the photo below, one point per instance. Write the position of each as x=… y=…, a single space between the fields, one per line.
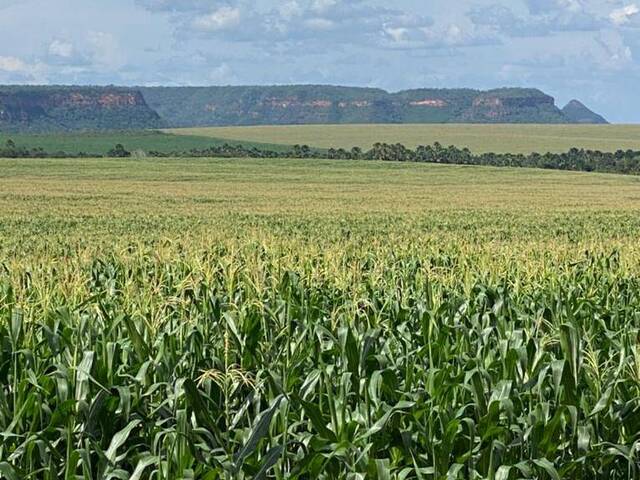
x=45 y=108
x=576 y=112
x=309 y=104
x=40 y=109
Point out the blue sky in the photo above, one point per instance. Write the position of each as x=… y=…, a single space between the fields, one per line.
x=585 y=49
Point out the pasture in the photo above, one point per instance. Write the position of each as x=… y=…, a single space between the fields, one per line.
x=511 y=138
x=219 y=319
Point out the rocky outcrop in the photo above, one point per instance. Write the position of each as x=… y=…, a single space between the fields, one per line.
x=316 y=104
x=36 y=109
x=577 y=112
x=514 y=106
x=74 y=108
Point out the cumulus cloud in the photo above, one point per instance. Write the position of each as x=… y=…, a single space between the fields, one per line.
x=12 y=64
x=222 y=74
x=14 y=69
x=64 y=53
x=613 y=53
x=174 y=6
x=332 y=21
x=623 y=15
x=223 y=18
x=542 y=7
x=290 y=9
x=319 y=23
x=292 y=22
x=565 y=16
x=437 y=36
x=61 y=48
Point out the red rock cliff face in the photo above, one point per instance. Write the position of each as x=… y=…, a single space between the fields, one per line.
x=108 y=99
x=506 y=107
x=69 y=108
x=491 y=107
x=32 y=103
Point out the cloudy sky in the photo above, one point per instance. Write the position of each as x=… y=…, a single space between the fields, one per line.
x=586 y=49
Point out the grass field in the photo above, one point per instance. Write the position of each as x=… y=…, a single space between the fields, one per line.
x=247 y=319
x=99 y=143
x=478 y=138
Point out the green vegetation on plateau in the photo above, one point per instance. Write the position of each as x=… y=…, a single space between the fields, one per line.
x=25 y=108
x=478 y=138
x=209 y=319
x=323 y=104
x=577 y=112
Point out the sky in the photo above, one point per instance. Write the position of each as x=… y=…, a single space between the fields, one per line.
x=584 y=49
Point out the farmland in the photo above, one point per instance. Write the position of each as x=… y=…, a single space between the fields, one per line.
x=98 y=143
x=478 y=138
x=246 y=318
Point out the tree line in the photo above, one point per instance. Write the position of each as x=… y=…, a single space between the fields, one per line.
x=621 y=161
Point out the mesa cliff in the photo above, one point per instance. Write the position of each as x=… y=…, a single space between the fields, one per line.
x=40 y=109
x=69 y=108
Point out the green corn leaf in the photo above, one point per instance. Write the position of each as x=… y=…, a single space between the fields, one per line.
x=119 y=440
x=8 y=471
x=318 y=420
x=258 y=432
x=269 y=460
x=141 y=347
x=83 y=374
x=383 y=469
x=548 y=467
x=145 y=462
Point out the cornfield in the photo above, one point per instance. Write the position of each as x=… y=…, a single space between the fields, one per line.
x=171 y=340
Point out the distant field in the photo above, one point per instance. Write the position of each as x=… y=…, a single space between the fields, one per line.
x=203 y=191
x=478 y=138
x=98 y=143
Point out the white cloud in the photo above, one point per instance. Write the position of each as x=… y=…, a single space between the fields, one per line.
x=426 y=36
x=623 y=15
x=60 y=48
x=319 y=23
x=397 y=34
x=323 y=5
x=538 y=7
x=12 y=64
x=287 y=24
x=222 y=19
x=547 y=17
x=614 y=53
x=174 y=6
x=14 y=69
x=571 y=5
x=454 y=35
x=289 y=10
x=222 y=74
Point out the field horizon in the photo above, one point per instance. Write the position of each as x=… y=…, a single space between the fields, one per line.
x=505 y=138
x=479 y=138
x=191 y=187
